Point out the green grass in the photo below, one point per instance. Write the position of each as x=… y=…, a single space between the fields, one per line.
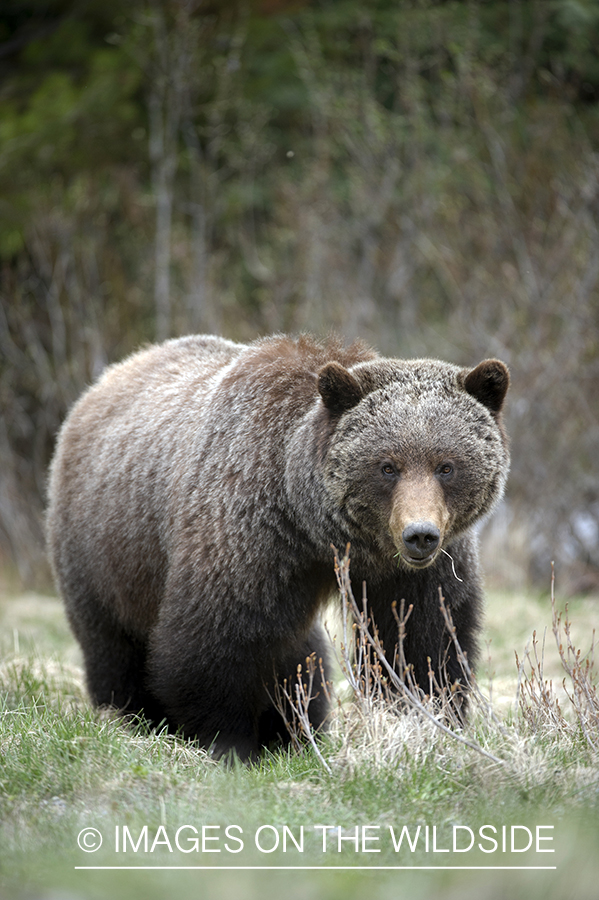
x=65 y=767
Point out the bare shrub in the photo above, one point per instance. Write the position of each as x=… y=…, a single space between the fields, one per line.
x=387 y=701
x=539 y=701
x=292 y=700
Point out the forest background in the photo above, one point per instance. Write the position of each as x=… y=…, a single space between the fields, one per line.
x=419 y=173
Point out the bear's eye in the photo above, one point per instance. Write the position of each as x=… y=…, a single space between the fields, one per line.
x=445 y=469
x=388 y=469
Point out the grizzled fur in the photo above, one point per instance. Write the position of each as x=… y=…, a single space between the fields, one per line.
x=197 y=488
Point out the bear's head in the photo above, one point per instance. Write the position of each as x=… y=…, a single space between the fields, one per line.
x=417 y=451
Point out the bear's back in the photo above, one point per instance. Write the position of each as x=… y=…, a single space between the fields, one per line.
x=147 y=452
x=116 y=460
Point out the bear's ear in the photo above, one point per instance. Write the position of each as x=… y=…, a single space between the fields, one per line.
x=338 y=388
x=488 y=383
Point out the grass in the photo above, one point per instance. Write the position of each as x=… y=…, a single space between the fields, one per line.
x=65 y=767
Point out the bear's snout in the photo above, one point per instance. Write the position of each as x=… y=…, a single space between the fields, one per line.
x=419 y=519
x=420 y=540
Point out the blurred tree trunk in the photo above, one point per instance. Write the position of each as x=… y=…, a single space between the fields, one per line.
x=164 y=166
x=171 y=72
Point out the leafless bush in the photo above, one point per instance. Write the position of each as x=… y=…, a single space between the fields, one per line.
x=381 y=688
x=389 y=711
x=538 y=698
x=292 y=700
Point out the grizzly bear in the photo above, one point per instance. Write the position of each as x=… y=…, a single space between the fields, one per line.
x=196 y=491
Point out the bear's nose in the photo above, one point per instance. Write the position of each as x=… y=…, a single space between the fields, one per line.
x=421 y=539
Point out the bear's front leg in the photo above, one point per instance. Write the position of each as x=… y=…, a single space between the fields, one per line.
x=207 y=697
x=206 y=669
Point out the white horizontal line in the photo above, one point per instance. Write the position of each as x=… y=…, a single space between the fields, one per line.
x=331 y=868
